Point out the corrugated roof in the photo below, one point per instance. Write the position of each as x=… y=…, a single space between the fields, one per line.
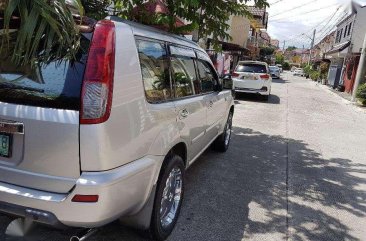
x=256 y=11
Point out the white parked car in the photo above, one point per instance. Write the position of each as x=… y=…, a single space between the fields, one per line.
x=110 y=135
x=275 y=72
x=299 y=72
x=280 y=67
x=252 y=77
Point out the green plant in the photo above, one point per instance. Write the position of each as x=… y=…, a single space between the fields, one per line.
x=314 y=75
x=307 y=70
x=361 y=93
x=46 y=30
x=286 y=66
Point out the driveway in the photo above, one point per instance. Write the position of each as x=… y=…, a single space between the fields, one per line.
x=295 y=170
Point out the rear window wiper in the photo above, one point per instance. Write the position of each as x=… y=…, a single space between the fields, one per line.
x=19 y=87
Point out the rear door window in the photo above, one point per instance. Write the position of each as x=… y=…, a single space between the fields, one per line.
x=207 y=76
x=154 y=68
x=54 y=85
x=184 y=75
x=251 y=68
x=183 y=71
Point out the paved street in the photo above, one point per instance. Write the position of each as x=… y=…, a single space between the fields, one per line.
x=296 y=170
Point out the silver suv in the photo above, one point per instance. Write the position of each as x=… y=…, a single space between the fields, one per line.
x=110 y=135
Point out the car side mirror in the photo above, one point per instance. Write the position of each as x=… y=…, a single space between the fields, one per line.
x=227 y=82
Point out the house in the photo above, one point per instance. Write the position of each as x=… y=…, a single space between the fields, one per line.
x=297 y=57
x=256 y=38
x=346 y=51
x=275 y=43
x=234 y=49
x=320 y=50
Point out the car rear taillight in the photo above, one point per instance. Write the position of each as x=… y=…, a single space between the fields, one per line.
x=97 y=91
x=265 y=76
x=234 y=75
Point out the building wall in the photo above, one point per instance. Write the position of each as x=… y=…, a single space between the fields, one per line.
x=359 y=30
x=240 y=27
x=343 y=34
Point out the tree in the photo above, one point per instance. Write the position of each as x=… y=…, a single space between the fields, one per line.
x=291 y=48
x=47 y=29
x=266 y=51
x=280 y=59
x=208 y=17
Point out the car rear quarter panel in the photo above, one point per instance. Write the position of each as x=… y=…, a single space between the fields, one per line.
x=135 y=128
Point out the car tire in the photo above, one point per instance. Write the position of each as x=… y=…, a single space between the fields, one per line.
x=168 y=198
x=222 y=142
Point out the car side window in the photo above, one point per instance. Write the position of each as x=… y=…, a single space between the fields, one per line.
x=155 y=72
x=184 y=75
x=206 y=76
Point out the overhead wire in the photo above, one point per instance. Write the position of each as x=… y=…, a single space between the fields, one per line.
x=288 y=10
x=303 y=13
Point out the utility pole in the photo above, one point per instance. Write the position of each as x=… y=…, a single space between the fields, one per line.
x=312 y=45
x=360 y=71
x=284 y=45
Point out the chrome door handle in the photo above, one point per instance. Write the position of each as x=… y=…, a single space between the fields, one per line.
x=184 y=113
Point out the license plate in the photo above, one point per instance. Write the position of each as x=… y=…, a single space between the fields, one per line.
x=249 y=77
x=5 y=145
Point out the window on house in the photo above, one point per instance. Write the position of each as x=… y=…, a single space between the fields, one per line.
x=336 y=40
x=345 y=32
x=340 y=35
x=349 y=28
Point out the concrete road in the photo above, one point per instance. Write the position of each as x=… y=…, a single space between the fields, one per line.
x=295 y=170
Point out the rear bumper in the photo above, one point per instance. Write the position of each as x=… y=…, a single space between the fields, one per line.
x=265 y=90
x=122 y=191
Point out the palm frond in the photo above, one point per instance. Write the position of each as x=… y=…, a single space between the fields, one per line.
x=47 y=30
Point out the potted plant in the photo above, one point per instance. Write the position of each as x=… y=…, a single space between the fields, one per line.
x=361 y=94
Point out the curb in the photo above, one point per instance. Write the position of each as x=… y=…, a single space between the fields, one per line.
x=347 y=102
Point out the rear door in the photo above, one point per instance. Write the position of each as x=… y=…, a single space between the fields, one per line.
x=39 y=122
x=216 y=101
x=189 y=102
x=250 y=75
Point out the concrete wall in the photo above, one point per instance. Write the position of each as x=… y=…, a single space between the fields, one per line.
x=239 y=30
x=359 y=30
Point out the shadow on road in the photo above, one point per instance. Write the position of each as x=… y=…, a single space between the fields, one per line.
x=280 y=81
x=273 y=99
x=223 y=190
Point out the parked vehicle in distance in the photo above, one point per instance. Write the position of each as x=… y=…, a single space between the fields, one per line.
x=275 y=72
x=110 y=135
x=252 y=77
x=299 y=72
x=280 y=67
x=293 y=68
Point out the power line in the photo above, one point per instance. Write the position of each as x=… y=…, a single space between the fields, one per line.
x=303 y=13
x=288 y=10
x=271 y=4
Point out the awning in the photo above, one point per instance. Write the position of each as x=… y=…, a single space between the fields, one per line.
x=339 y=47
x=230 y=47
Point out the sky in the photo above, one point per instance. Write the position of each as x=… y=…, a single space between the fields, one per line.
x=293 y=21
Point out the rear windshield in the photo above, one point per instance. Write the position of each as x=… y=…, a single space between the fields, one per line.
x=56 y=85
x=251 y=68
x=273 y=68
